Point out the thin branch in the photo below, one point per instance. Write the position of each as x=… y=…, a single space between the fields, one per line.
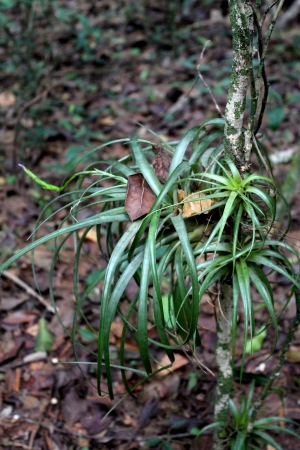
x=204 y=82
x=10 y=276
x=259 y=92
x=262 y=158
x=268 y=9
x=271 y=28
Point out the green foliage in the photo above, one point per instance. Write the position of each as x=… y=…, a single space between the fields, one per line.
x=190 y=255
x=255 y=344
x=43 y=340
x=241 y=434
x=243 y=438
x=31 y=33
x=275 y=117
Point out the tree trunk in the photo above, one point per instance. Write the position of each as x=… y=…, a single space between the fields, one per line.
x=223 y=358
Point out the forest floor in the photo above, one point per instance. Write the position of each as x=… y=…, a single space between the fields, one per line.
x=79 y=78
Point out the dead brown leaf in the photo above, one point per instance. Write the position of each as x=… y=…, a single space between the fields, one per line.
x=12 y=351
x=162 y=388
x=7 y=98
x=73 y=408
x=106 y=120
x=293 y=354
x=17 y=380
x=193 y=205
x=90 y=236
x=2 y=181
x=179 y=362
x=9 y=303
x=18 y=317
x=161 y=163
x=139 y=196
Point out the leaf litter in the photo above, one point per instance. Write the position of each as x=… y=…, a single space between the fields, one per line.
x=50 y=403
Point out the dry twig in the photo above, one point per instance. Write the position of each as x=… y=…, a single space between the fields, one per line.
x=10 y=276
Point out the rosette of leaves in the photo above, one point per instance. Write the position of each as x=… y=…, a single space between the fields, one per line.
x=242 y=433
x=187 y=256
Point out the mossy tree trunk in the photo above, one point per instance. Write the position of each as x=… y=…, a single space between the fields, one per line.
x=238 y=142
x=223 y=357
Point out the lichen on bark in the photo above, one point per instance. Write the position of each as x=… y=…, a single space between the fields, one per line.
x=223 y=359
x=242 y=33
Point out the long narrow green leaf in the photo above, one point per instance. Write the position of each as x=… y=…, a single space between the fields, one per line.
x=142 y=331
x=239 y=441
x=197 y=153
x=257 y=178
x=121 y=167
x=182 y=307
x=220 y=179
x=157 y=297
x=269 y=263
x=262 y=285
x=131 y=307
x=107 y=319
x=227 y=211
x=266 y=421
x=181 y=148
x=256 y=225
x=162 y=195
x=267 y=439
x=269 y=201
x=234 y=170
x=248 y=401
x=234 y=411
x=180 y=227
x=214 y=275
x=236 y=230
x=235 y=301
x=145 y=167
x=116 y=215
x=244 y=288
x=281 y=429
x=214 y=121
x=104 y=326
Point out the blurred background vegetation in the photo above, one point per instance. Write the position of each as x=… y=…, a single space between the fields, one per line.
x=75 y=74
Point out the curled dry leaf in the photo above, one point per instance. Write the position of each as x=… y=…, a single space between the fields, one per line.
x=193 y=205
x=7 y=99
x=180 y=361
x=139 y=196
x=293 y=354
x=161 y=163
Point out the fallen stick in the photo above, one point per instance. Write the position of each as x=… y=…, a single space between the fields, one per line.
x=9 y=275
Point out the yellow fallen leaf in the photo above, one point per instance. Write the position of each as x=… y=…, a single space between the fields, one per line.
x=91 y=235
x=293 y=354
x=106 y=120
x=7 y=98
x=179 y=362
x=192 y=207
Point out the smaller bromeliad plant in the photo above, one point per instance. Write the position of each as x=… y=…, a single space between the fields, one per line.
x=188 y=222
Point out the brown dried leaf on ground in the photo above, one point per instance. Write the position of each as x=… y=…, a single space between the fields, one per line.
x=161 y=163
x=7 y=98
x=293 y=354
x=193 y=205
x=20 y=317
x=180 y=361
x=139 y=196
